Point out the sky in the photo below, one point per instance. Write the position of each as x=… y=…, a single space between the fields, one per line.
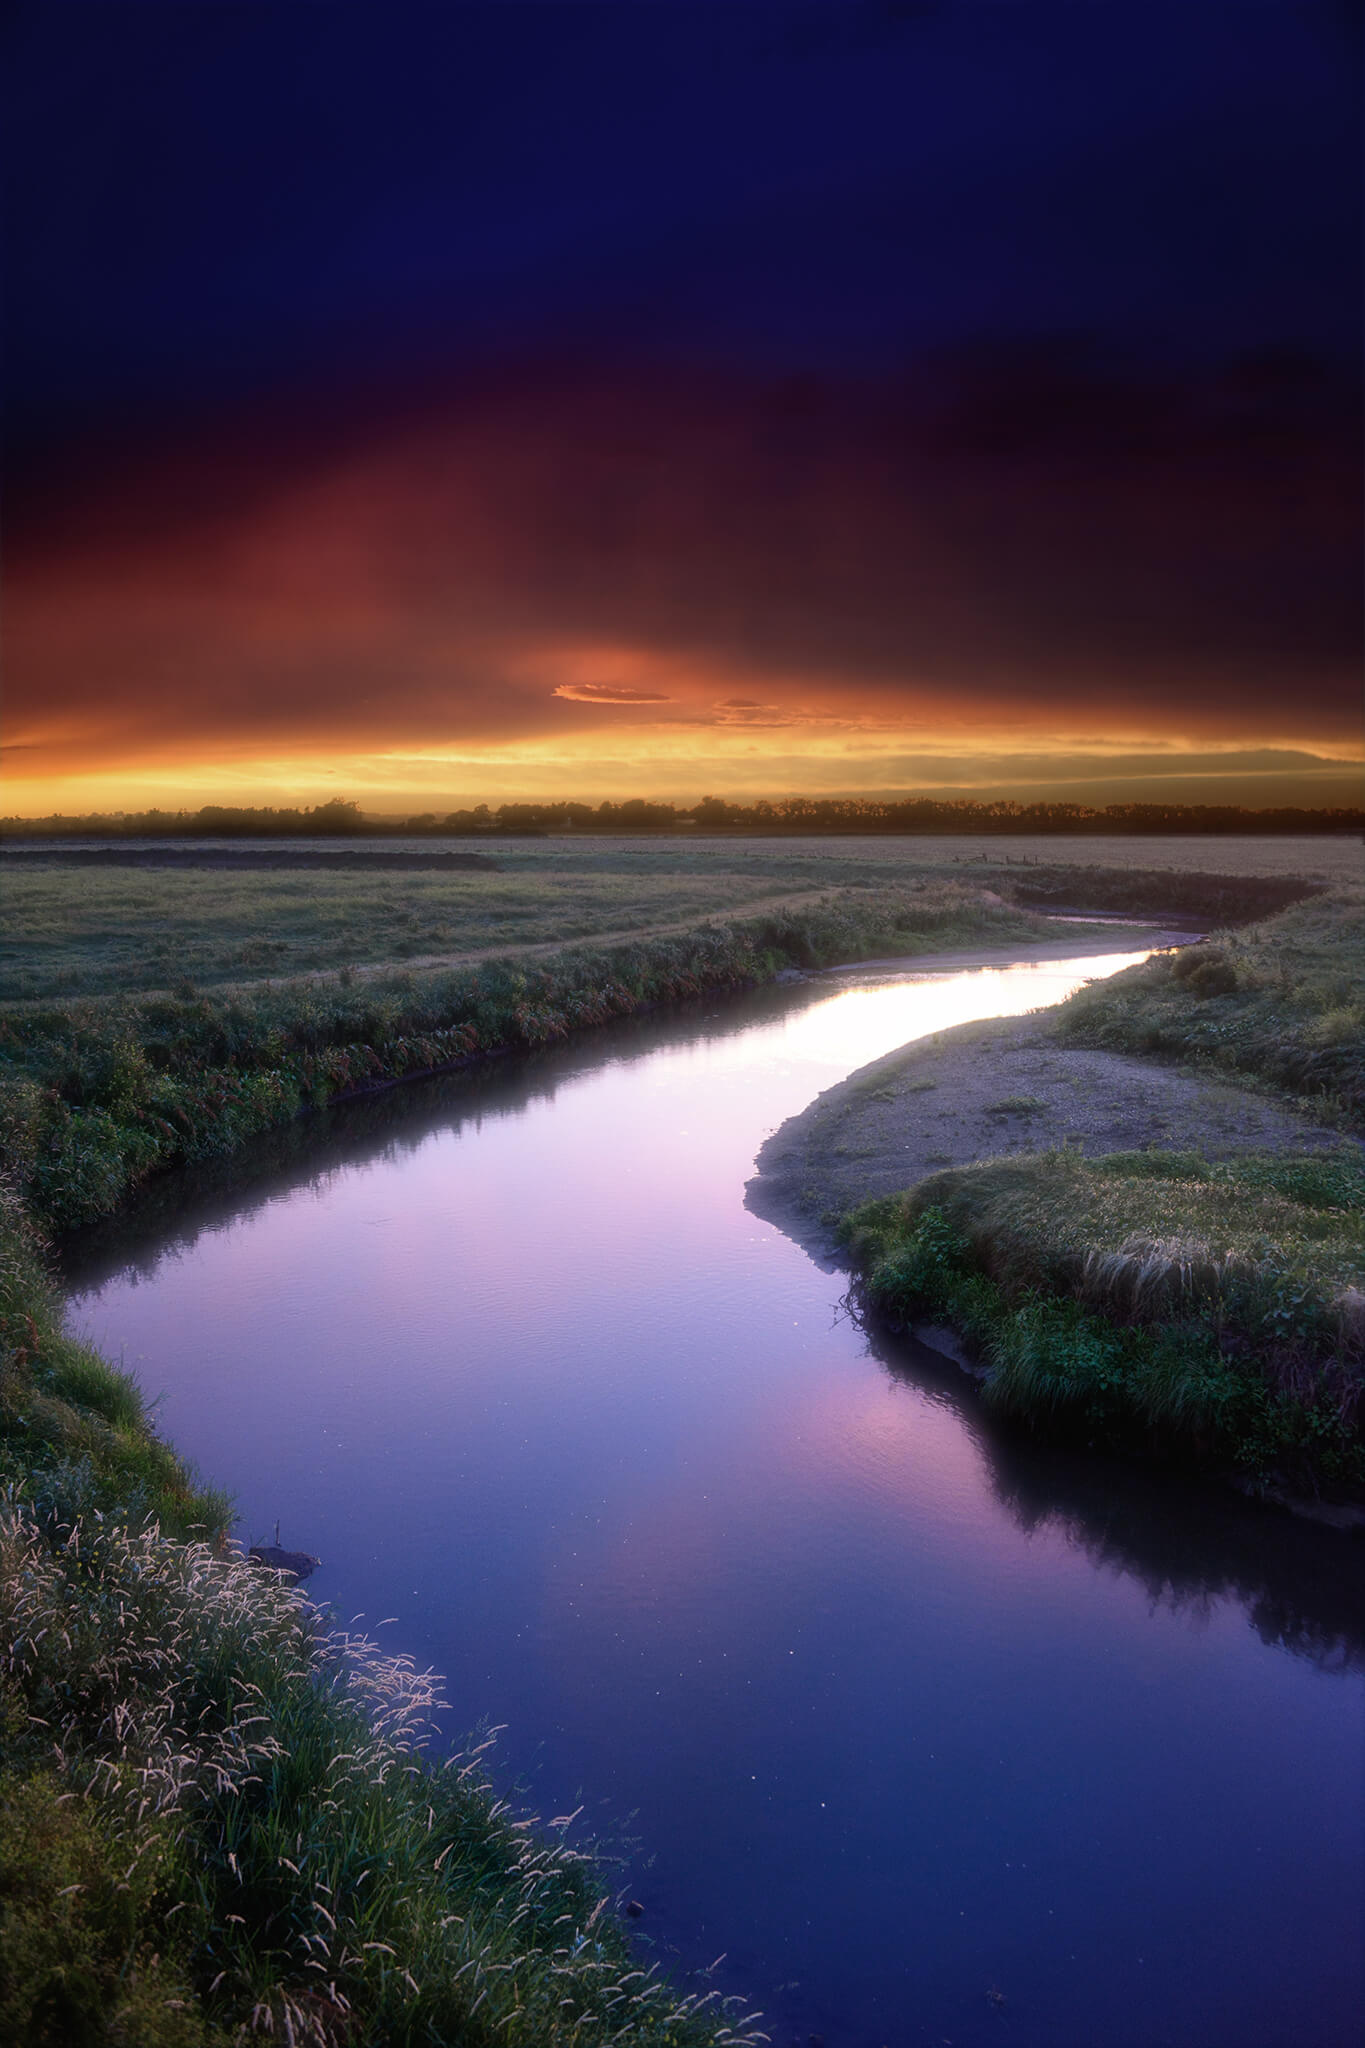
x=436 y=405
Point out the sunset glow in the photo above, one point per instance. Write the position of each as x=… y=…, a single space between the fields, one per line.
x=810 y=531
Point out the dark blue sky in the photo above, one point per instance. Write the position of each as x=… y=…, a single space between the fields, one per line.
x=209 y=200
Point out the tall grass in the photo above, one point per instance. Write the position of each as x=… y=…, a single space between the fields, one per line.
x=1213 y=1312
x=218 y=1822
x=1280 y=1002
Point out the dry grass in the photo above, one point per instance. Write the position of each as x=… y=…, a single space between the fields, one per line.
x=1281 y=1002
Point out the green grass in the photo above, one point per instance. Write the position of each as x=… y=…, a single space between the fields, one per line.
x=93 y=933
x=73 y=1427
x=1280 y=1002
x=1207 y=1312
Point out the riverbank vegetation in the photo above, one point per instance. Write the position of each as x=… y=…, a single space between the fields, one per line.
x=217 y=1818
x=72 y=1427
x=1210 y=1313
x=96 y=1095
x=1280 y=1002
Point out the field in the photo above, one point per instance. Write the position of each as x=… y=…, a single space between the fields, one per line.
x=94 y=931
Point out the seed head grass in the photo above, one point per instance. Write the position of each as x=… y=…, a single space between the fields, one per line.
x=226 y=1813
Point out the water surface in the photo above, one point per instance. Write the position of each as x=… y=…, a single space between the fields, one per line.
x=936 y=1735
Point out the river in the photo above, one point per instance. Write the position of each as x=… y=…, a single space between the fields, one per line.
x=929 y=1734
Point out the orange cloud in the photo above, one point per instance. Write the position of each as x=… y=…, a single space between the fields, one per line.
x=609 y=693
x=688 y=567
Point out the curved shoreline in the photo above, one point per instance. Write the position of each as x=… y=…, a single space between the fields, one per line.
x=981 y=1090
x=1000 y=1086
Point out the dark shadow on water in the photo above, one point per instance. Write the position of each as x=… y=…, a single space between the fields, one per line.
x=1188 y=1543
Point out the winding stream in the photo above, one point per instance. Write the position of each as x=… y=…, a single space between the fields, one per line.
x=938 y=1736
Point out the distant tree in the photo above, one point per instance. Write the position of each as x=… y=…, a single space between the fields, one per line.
x=340 y=815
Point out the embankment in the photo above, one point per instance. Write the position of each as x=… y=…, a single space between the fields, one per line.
x=921 y=1169
x=97 y=1096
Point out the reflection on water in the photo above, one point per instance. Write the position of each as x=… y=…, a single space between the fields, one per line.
x=907 y=1710
x=1187 y=1544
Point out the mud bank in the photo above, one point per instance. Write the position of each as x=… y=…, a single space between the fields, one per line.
x=983 y=1090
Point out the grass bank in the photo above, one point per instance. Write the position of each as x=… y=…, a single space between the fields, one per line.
x=1209 y=1313
x=96 y=1094
x=217 y=1819
x=1279 y=1002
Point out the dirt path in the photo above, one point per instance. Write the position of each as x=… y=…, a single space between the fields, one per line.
x=537 y=948
x=980 y=1090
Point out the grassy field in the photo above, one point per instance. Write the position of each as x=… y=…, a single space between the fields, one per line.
x=89 y=932
x=167 y=1015
x=1206 y=1312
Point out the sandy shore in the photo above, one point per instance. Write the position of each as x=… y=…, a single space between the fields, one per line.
x=986 y=1089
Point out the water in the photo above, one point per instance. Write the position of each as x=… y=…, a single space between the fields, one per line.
x=936 y=1735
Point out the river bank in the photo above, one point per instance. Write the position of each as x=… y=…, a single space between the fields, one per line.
x=97 y=1095
x=1203 y=1315
x=982 y=1091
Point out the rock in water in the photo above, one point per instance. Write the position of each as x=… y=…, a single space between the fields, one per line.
x=296 y=1564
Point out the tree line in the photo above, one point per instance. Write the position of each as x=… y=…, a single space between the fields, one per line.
x=795 y=814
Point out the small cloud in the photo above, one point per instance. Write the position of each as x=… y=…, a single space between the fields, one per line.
x=748 y=711
x=608 y=693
